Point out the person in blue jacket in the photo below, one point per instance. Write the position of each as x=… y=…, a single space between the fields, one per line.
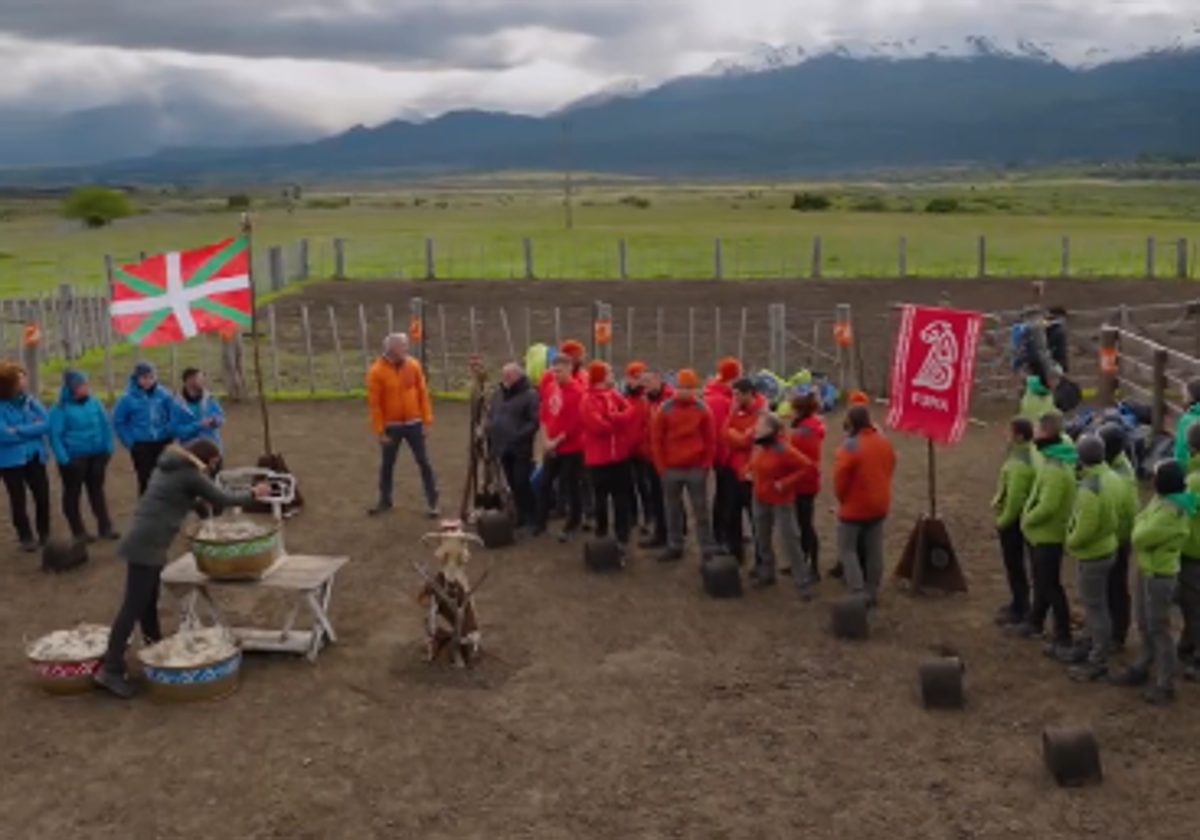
x=23 y=456
x=82 y=441
x=144 y=420
x=201 y=415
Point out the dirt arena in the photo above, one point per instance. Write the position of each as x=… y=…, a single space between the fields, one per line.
x=622 y=707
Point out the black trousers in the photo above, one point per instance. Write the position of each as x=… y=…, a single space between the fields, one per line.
x=642 y=509
x=145 y=456
x=1119 y=601
x=810 y=544
x=22 y=482
x=740 y=506
x=562 y=475
x=725 y=495
x=612 y=484
x=139 y=608
x=658 y=504
x=518 y=470
x=1013 y=550
x=85 y=474
x=1049 y=596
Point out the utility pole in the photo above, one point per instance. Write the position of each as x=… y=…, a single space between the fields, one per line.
x=568 y=209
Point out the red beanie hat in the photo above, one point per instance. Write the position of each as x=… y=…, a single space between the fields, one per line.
x=856 y=397
x=597 y=372
x=687 y=378
x=729 y=369
x=572 y=348
x=634 y=368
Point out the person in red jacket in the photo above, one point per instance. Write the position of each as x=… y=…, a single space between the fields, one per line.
x=640 y=509
x=562 y=459
x=862 y=479
x=718 y=396
x=574 y=351
x=606 y=417
x=683 y=439
x=777 y=470
x=738 y=438
x=655 y=391
x=807 y=434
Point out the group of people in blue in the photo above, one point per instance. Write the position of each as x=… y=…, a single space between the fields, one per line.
x=78 y=431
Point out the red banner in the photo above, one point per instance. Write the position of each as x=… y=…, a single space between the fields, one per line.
x=933 y=368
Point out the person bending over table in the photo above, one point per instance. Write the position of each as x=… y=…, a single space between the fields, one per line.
x=180 y=479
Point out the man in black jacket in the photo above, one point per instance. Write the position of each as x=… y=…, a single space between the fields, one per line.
x=511 y=428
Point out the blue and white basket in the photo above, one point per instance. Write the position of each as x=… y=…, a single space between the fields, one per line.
x=212 y=681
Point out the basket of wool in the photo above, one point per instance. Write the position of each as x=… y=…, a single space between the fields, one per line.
x=192 y=665
x=64 y=662
x=234 y=547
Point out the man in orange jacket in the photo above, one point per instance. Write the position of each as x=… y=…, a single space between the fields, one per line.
x=683 y=439
x=862 y=478
x=777 y=469
x=401 y=412
x=738 y=436
x=718 y=396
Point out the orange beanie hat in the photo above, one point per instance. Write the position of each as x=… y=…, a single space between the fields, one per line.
x=597 y=372
x=572 y=348
x=729 y=369
x=855 y=397
x=687 y=378
x=634 y=368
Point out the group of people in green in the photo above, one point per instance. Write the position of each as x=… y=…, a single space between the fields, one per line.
x=1059 y=498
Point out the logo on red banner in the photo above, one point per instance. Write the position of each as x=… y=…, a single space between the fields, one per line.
x=933 y=368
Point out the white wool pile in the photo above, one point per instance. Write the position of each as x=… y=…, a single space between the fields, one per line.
x=224 y=529
x=86 y=641
x=191 y=649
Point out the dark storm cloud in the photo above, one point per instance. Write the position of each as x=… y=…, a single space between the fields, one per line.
x=418 y=33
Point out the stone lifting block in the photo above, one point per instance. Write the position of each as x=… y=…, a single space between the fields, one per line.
x=722 y=577
x=62 y=555
x=496 y=529
x=1072 y=756
x=849 y=618
x=603 y=556
x=942 y=683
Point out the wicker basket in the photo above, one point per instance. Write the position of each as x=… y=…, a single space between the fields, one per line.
x=242 y=559
x=65 y=678
x=212 y=681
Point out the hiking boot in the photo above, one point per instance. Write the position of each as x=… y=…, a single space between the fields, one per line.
x=671 y=555
x=109 y=535
x=29 y=545
x=761 y=578
x=1133 y=677
x=115 y=684
x=379 y=509
x=1159 y=696
x=1088 y=672
x=1024 y=630
x=432 y=512
x=1065 y=652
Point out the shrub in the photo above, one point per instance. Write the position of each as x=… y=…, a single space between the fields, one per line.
x=870 y=204
x=240 y=201
x=810 y=202
x=97 y=206
x=942 y=205
x=635 y=201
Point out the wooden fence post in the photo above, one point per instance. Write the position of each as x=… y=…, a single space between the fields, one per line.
x=718 y=260
x=1106 y=386
x=623 y=259
x=305 y=267
x=1158 y=411
x=1181 y=259
x=1150 y=257
x=339 y=259
x=430 y=260
x=68 y=323
x=527 y=247
x=817 y=261
x=276 y=269
x=981 y=266
x=903 y=257
x=1064 y=268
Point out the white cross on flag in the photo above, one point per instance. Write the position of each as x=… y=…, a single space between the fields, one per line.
x=176 y=296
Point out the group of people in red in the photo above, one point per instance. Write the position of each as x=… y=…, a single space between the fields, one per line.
x=637 y=448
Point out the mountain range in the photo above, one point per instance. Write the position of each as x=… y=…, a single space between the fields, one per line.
x=775 y=110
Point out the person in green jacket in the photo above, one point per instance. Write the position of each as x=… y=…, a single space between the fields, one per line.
x=1012 y=491
x=1092 y=541
x=1037 y=401
x=1122 y=483
x=1189 y=570
x=1159 y=534
x=1190 y=416
x=1044 y=523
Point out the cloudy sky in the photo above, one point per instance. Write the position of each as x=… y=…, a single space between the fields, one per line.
x=337 y=62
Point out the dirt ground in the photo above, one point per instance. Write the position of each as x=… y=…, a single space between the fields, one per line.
x=622 y=707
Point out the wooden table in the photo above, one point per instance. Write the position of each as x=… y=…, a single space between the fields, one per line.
x=307 y=579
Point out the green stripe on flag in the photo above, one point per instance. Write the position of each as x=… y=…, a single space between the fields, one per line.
x=137 y=284
x=215 y=263
x=151 y=323
x=222 y=311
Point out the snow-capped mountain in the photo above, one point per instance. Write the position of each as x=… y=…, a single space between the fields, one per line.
x=620 y=89
x=759 y=59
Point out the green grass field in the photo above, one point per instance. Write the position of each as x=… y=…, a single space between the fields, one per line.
x=479 y=225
